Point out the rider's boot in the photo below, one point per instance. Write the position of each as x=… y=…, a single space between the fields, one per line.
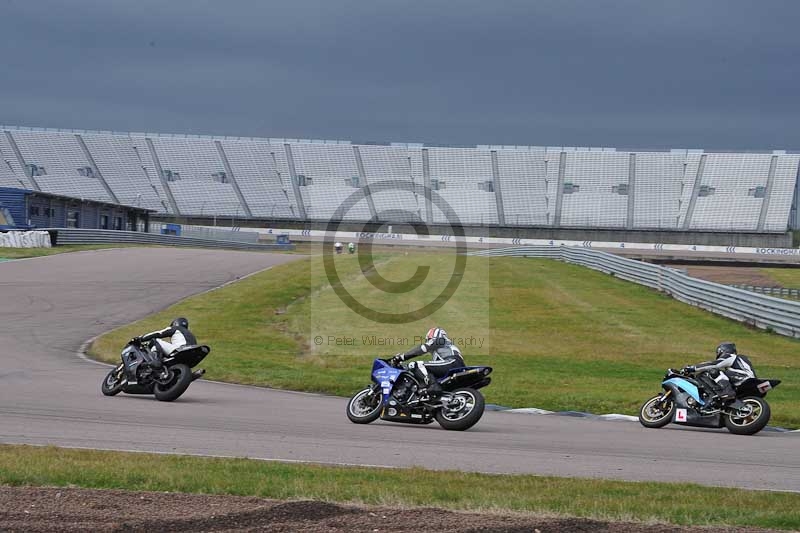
x=431 y=391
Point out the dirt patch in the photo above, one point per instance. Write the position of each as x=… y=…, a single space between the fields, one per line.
x=729 y=275
x=35 y=510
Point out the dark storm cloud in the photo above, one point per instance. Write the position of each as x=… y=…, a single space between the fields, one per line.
x=713 y=74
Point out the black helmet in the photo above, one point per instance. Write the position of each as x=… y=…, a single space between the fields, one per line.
x=180 y=323
x=726 y=348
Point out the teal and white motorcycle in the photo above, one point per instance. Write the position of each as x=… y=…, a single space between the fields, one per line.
x=685 y=401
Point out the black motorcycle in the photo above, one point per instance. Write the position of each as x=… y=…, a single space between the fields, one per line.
x=396 y=396
x=144 y=370
x=685 y=401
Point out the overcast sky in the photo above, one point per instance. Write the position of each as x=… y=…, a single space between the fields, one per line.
x=714 y=74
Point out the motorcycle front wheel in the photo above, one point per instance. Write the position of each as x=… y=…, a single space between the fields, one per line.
x=656 y=412
x=462 y=411
x=749 y=420
x=113 y=382
x=364 y=407
x=179 y=380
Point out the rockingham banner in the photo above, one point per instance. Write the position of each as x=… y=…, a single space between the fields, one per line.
x=410 y=238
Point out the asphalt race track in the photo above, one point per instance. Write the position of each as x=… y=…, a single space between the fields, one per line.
x=48 y=395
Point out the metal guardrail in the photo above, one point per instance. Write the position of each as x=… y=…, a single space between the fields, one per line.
x=780 y=292
x=759 y=310
x=61 y=236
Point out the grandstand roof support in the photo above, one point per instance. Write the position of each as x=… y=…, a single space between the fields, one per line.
x=629 y=223
x=698 y=181
x=96 y=170
x=794 y=214
x=363 y=176
x=562 y=168
x=295 y=186
x=229 y=173
x=426 y=177
x=164 y=182
x=498 y=191
x=21 y=161
x=762 y=216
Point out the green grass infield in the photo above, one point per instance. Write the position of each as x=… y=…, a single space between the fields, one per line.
x=559 y=336
x=684 y=504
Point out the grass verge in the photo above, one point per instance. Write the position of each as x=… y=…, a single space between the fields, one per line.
x=559 y=336
x=685 y=504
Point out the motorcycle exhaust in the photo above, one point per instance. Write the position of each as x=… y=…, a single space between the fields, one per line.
x=197 y=374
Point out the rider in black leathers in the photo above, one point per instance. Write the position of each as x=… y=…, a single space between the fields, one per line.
x=178 y=333
x=718 y=374
x=445 y=356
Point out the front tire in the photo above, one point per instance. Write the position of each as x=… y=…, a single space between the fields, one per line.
x=114 y=382
x=180 y=381
x=364 y=407
x=751 y=423
x=656 y=413
x=464 y=412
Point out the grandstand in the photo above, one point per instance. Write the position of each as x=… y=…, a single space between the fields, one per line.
x=299 y=181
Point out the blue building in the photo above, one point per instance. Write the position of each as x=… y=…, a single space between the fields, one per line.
x=28 y=209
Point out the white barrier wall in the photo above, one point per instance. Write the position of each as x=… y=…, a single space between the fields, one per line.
x=421 y=240
x=25 y=239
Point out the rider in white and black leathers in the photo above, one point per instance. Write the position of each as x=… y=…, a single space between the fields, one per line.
x=446 y=356
x=718 y=374
x=178 y=333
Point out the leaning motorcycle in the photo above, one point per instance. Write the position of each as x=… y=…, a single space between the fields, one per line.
x=685 y=401
x=164 y=377
x=395 y=395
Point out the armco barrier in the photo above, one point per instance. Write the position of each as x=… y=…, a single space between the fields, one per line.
x=98 y=236
x=699 y=250
x=762 y=311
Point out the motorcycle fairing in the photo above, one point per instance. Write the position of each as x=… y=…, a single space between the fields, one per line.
x=132 y=358
x=689 y=416
x=190 y=355
x=683 y=385
x=756 y=387
x=466 y=376
x=385 y=375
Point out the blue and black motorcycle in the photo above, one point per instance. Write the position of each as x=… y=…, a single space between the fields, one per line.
x=395 y=395
x=685 y=401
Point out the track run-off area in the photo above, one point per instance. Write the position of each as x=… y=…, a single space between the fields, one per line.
x=50 y=306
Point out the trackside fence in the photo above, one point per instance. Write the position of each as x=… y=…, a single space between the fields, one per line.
x=63 y=236
x=759 y=310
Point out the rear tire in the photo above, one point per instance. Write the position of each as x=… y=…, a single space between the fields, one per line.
x=467 y=413
x=655 y=414
x=362 y=408
x=181 y=379
x=753 y=423
x=114 y=382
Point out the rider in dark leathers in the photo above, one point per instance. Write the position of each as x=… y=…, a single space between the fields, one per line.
x=445 y=356
x=718 y=374
x=178 y=333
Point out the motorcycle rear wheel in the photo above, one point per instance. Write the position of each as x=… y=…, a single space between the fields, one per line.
x=466 y=412
x=180 y=381
x=363 y=408
x=752 y=423
x=653 y=415
x=113 y=382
